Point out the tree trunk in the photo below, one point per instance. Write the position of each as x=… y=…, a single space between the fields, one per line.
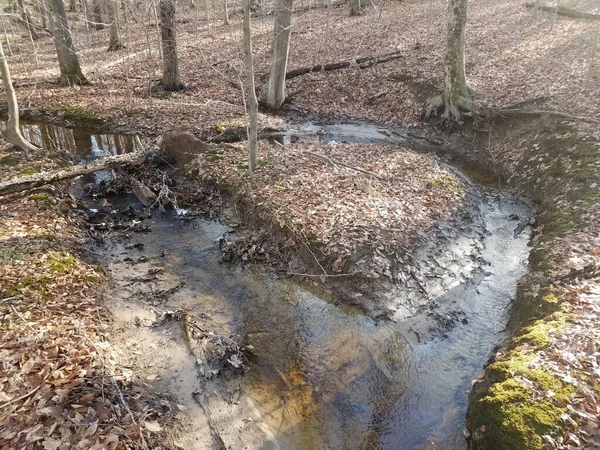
x=97 y=13
x=13 y=132
x=27 y=19
x=252 y=101
x=281 y=45
x=170 y=80
x=355 y=9
x=70 y=70
x=115 y=42
x=455 y=95
x=225 y=13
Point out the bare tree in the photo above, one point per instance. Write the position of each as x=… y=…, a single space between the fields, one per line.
x=13 y=131
x=170 y=79
x=26 y=17
x=97 y=14
x=70 y=70
x=281 y=44
x=355 y=8
x=115 y=42
x=456 y=94
x=252 y=101
x=225 y=13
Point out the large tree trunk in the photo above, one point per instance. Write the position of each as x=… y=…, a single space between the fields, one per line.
x=252 y=101
x=26 y=17
x=115 y=42
x=170 y=79
x=12 y=133
x=355 y=9
x=281 y=45
x=70 y=70
x=455 y=96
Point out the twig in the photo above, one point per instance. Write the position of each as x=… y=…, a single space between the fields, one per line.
x=335 y=162
x=327 y=275
x=14 y=400
x=26 y=323
x=308 y=247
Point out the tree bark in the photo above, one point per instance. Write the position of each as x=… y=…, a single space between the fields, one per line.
x=455 y=95
x=13 y=131
x=282 y=29
x=115 y=42
x=170 y=79
x=41 y=179
x=252 y=100
x=70 y=70
x=355 y=8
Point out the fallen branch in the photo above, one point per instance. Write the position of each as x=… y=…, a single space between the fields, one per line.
x=41 y=179
x=372 y=98
x=361 y=63
x=15 y=400
x=322 y=275
x=335 y=162
x=565 y=11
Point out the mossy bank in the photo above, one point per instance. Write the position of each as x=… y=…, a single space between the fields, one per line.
x=519 y=404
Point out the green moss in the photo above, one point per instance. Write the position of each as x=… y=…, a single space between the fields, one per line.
x=511 y=415
x=9 y=161
x=61 y=263
x=538 y=334
x=29 y=171
x=37 y=285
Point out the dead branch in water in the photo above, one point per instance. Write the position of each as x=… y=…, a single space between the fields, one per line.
x=41 y=179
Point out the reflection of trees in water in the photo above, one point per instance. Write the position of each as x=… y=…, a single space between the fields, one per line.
x=77 y=141
x=322 y=376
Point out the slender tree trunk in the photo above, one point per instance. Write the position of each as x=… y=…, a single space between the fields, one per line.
x=355 y=8
x=170 y=80
x=115 y=42
x=282 y=29
x=225 y=13
x=70 y=70
x=27 y=19
x=13 y=131
x=252 y=101
x=97 y=14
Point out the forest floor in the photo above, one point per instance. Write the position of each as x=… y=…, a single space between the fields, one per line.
x=513 y=55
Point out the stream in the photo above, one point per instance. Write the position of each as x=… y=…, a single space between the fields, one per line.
x=325 y=375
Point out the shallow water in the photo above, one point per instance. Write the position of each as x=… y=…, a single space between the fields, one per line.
x=323 y=375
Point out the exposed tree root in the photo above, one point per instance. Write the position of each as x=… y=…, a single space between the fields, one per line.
x=564 y=11
x=361 y=63
x=453 y=113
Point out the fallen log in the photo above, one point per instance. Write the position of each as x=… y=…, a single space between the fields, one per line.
x=565 y=11
x=361 y=63
x=41 y=179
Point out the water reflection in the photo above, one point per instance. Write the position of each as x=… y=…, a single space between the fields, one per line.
x=78 y=142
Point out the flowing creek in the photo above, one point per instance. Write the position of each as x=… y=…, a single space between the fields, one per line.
x=324 y=375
